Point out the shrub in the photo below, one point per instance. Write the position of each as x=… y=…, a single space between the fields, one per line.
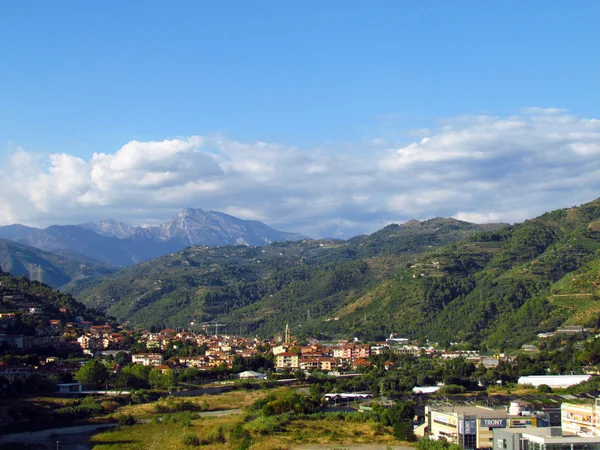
x=267 y=425
x=403 y=431
x=190 y=439
x=544 y=389
x=83 y=411
x=216 y=436
x=185 y=419
x=127 y=419
x=428 y=444
x=239 y=437
x=171 y=406
x=452 y=389
x=109 y=406
x=142 y=396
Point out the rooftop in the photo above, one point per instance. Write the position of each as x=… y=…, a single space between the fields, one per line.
x=479 y=411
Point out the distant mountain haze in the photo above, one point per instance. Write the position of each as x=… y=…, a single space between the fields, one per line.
x=62 y=269
x=119 y=244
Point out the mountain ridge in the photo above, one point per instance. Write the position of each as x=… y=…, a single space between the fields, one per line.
x=202 y=283
x=438 y=280
x=119 y=244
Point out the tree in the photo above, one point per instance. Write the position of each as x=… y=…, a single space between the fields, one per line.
x=121 y=358
x=160 y=380
x=93 y=373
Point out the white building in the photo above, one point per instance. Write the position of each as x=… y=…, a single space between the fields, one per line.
x=147 y=359
x=554 y=381
x=251 y=375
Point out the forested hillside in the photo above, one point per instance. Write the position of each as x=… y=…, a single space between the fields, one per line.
x=499 y=287
x=59 y=270
x=442 y=280
x=18 y=294
x=298 y=279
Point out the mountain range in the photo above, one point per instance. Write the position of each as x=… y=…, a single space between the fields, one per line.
x=118 y=244
x=440 y=279
x=443 y=280
x=262 y=284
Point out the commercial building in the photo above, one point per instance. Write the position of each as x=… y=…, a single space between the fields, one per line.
x=554 y=381
x=581 y=419
x=473 y=426
x=542 y=439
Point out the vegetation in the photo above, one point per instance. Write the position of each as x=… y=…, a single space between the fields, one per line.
x=57 y=270
x=251 y=287
x=441 y=280
x=276 y=418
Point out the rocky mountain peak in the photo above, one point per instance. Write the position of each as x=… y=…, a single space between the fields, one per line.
x=110 y=227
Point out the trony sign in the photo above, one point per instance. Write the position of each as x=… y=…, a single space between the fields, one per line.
x=493 y=423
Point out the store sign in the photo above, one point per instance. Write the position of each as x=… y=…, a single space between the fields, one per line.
x=521 y=423
x=443 y=419
x=493 y=423
x=467 y=426
x=470 y=427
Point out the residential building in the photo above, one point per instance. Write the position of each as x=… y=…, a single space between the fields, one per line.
x=147 y=359
x=287 y=360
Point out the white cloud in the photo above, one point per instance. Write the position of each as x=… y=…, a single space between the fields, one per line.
x=475 y=168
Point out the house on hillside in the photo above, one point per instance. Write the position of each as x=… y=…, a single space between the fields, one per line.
x=147 y=359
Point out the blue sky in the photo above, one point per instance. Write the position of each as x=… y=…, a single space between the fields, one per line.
x=334 y=79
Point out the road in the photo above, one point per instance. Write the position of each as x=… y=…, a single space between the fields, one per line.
x=68 y=438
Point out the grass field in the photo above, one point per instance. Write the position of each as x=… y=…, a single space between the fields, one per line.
x=156 y=436
x=232 y=431
x=227 y=400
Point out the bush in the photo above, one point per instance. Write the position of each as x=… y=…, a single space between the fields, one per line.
x=83 y=411
x=109 y=406
x=239 y=437
x=171 y=406
x=403 y=431
x=216 y=436
x=185 y=419
x=544 y=389
x=428 y=444
x=143 y=396
x=127 y=419
x=452 y=389
x=268 y=425
x=190 y=439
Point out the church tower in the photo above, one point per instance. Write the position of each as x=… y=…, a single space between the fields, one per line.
x=287 y=339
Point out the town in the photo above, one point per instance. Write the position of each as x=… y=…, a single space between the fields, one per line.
x=173 y=360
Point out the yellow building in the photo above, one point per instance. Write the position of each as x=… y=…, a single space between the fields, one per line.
x=287 y=360
x=583 y=420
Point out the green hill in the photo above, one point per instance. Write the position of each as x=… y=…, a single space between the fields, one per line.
x=442 y=280
x=205 y=283
x=495 y=287
x=18 y=294
x=57 y=270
